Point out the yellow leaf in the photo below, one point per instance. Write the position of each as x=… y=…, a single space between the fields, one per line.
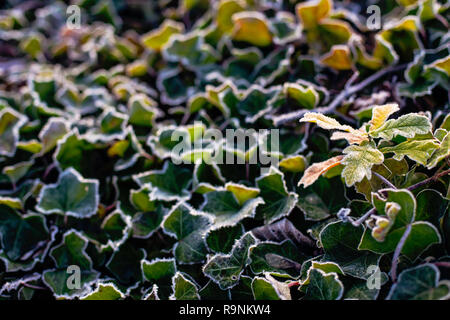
x=338 y=58
x=242 y=192
x=381 y=113
x=157 y=38
x=442 y=64
x=311 y=12
x=329 y=123
x=350 y=137
x=251 y=27
x=317 y=169
x=225 y=11
x=293 y=164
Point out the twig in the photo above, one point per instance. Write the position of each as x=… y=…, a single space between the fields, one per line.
x=426 y=181
x=386 y=181
x=442 y=264
x=397 y=252
x=341 y=96
x=363 y=218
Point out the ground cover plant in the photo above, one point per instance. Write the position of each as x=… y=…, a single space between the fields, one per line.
x=98 y=201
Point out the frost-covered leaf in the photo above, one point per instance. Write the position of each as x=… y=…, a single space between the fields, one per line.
x=417 y=150
x=381 y=113
x=189 y=228
x=183 y=288
x=279 y=258
x=420 y=283
x=358 y=162
x=10 y=122
x=317 y=169
x=168 y=184
x=340 y=242
x=106 y=291
x=323 y=286
x=225 y=209
x=72 y=195
x=278 y=201
x=226 y=270
x=406 y=126
x=442 y=152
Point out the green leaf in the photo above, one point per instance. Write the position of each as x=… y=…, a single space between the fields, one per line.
x=406 y=126
x=104 y=291
x=125 y=263
x=71 y=251
x=189 y=228
x=168 y=184
x=420 y=283
x=226 y=270
x=358 y=162
x=21 y=235
x=278 y=202
x=340 y=242
x=225 y=209
x=323 y=286
x=10 y=122
x=422 y=235
x=263 y=290
x=222 y=239
x=57 y=280
x=278 y=258
x=71 y=195
x=441 y=153
x=417 y=150
x=183 y=289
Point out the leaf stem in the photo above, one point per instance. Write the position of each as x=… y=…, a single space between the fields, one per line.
x=397 y=252
x=426 y=181
x=363 y=218
x=386 y=181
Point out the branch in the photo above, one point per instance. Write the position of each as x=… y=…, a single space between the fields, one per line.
x=426 y=181
x=397 y=252
x=386 y=181
x=340 y=97
x=363 y=218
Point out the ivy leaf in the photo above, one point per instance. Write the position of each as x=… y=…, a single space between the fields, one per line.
x=225 y=208
x=104 y=291
x=420 y=283
x=263 y=290
x=222 y=239
x=189 y=228
x=21 y=235
x=157 y=38
x=358 y=162
x=72 y=251
x=72 y=195
x=10 y=122
x=422 y=235
x=168 y=184
x=417 y=150
x=183 y=289
x=54 y=129
x=406 y=126
x=160 y=272
x=340 y=242
x=279 y=258
x=226 y=270
x=125 y=263
x=323 y=286
x=57 y=280
x=251 y=27
x=278 y=201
